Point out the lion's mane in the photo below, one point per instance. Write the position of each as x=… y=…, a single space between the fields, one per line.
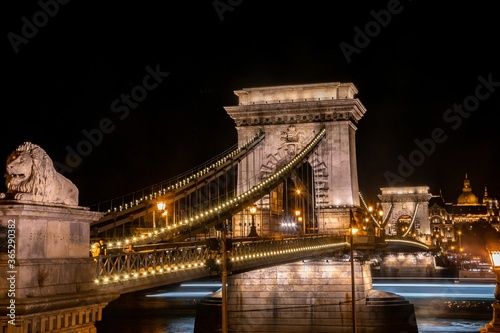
x=44 y=183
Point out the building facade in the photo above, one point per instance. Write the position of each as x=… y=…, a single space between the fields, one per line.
x=414 y=212
x=447 y=219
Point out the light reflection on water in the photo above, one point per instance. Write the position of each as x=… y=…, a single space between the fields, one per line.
x=445 y=325
x=141 y=313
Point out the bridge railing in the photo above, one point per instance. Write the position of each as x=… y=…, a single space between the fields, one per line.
x=127 y=265
x=121 y=267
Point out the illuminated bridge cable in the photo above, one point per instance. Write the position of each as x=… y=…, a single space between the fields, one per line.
x=384 y=221
x=389 y=213
x=204 y=219
x=176 y=183
x=196 y=179
x=199 y=221
x=412 y=221
x=366 y=207
x=237 y=204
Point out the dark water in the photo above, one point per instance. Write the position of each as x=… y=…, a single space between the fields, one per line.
x=140 y=313
x=147 y=315
x=169 y=322
x=178 y=317
x=183 y=322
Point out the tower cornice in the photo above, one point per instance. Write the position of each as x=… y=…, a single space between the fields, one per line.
x=297 y=112
x=321 y=102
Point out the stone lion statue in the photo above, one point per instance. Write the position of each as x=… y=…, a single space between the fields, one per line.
x=31 y=175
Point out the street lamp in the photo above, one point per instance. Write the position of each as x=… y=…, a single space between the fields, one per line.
x=494 y=325
x=299 y=221
x=380 y=220
x=460 y=241
x=253 y=229
x=160 y=205
x=380 y=214
x=353 y=229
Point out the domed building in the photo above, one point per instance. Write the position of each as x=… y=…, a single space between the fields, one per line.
x=467 y=197
x=446 y=218
x=468 y=208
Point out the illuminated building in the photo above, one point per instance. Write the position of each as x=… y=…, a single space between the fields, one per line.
x=412 y=211
x=446 y=219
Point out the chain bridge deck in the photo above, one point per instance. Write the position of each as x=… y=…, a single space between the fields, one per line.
x=170 y=263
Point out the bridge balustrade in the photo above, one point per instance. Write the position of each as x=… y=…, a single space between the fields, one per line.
x=121 y=267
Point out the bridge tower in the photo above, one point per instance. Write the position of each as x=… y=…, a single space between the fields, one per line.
x=407 y=210
x=290 y=116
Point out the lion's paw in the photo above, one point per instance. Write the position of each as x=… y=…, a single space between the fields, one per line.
x=23 y=196
x=2 y=195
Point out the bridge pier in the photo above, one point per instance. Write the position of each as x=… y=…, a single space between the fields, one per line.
x=46 y=269
x=310 y=296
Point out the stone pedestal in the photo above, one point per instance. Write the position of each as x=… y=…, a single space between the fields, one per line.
x=47 y=270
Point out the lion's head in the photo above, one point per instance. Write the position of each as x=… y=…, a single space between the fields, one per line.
x=22 y=172
x=30 y=174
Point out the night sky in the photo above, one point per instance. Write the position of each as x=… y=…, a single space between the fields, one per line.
x=428 y=75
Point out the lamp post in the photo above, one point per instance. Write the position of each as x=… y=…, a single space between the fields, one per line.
x=160 y=205
x=380 y=222
x=353 y=229
x=253 y=228
x=299 y=204
x=380 y=216
x=299 y=221
x=224 y=279
x=494 y=325
x=460 y=241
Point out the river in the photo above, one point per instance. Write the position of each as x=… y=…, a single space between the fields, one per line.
x=440 y=306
